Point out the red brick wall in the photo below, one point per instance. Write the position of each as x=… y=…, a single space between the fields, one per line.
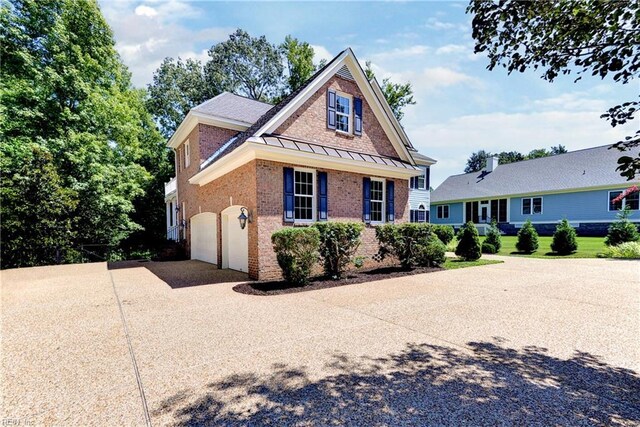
x=345 y=204
x=309 y=122
x=212 y=138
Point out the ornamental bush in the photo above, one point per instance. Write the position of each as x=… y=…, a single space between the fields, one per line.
x=412 y=243
x=493 y=237
x=627 y=250
x=527 y=238
x=444 y=232
x=565 y=240
x=296 y=250
x=468 y=243
x=431 y=254
x=339 y=242
x=488 y=248
x=622 y=230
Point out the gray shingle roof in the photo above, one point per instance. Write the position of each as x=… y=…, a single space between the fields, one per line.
x=234 y=107
x=591 y=167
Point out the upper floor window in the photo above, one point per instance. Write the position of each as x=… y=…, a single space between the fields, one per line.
x=343 y=113
x=421 y=182
x=631 y=201
x=532 y=206
x=187 y=154
x=377 y=200
x=419 y=215
x=304 y=200
x=442 y=212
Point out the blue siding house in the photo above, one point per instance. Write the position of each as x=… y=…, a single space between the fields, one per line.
x=579 y=186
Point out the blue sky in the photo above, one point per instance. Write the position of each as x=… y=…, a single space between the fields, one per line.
x=461 y=107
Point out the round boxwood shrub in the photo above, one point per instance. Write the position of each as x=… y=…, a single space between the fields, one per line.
x=468 y=243
x=444 y=232
x=431 y=254
x=527 y=238
x=493 y=237
x=565 y=240
x=339 y=242
x=622 y=230
x=488 y=248
x=296 y=250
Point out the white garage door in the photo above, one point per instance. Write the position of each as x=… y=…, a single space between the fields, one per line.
x=235 y=241
x=204 y=233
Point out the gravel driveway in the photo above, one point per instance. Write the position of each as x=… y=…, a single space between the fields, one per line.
x=526 y=342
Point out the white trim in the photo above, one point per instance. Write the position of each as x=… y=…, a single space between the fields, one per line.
x=350 y=123
x=194 y=118
x=531 y=206
x=384 y=200
x=256 y=150
x=313 y=196
x=346 y=58
x=187 y=153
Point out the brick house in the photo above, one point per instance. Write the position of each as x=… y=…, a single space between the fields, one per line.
x=332 y=150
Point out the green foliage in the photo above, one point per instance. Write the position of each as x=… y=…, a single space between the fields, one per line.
x=493 y=236
x=478 y=160
x=622 y=230
x=412 y=244
x=564 y=37
x=36 y=224
x=488 y=248
x=431 y=253
x=64 y=89
x=296 y=249
x=444 y=232
x=339 y=242
x=626 y=250
x=565 y=240
x=527 y=238
x=468 y=243
x=398 y=95
x=249 y=66
x=299 y=56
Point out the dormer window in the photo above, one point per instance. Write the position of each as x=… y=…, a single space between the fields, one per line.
x=343 y=113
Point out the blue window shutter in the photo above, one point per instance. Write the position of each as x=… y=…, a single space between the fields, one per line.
x=390 y=202
x=357 y=114
x=331 y=108
x=366 y=200
x=322 y=196
x=288 y=195
x=428 y=179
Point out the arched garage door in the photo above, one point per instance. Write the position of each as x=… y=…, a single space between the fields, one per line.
x=235 y=241
x=204 y=237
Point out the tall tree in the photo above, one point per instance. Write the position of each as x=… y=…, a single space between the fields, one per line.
x=600 y=38
x=299 y=56
x=537 y=153
x=509 y=157
x=559 y=149
x=177 y=87
x=398 y=95
x=478 y=160
x=250 y=66
x=64 y=89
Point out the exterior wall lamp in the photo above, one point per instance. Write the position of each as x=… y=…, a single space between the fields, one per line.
x=245 y=215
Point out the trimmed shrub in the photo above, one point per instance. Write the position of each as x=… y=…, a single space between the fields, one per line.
x=488 y=248
x=626 y=250
x=408 y=242
x=444 y=232
x=468 y=243
x=527 y=238
x=432 y=253
x=297 y=250
x=493 y=237
x=339 y=242
x=622 y=230
x=564 y=239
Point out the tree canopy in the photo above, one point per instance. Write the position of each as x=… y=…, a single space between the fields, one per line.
x=478 y=160
x=398 y=95
x=561 y=37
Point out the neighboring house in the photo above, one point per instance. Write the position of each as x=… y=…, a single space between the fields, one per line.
x=332 y=150
x=579 y=186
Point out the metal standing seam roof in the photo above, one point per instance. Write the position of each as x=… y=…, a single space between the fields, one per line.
x=591 y=167
x=231 y=106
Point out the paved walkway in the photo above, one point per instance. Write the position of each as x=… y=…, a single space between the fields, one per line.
x=525 y=342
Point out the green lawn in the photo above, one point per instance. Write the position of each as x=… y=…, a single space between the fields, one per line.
x=453 y=263
x=588 y=247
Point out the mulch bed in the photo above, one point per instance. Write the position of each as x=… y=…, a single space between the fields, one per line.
x=281 y=287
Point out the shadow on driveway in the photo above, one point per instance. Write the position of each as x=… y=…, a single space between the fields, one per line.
x=424 y=385
x=182 y=274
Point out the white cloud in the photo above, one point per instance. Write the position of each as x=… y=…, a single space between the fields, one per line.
x=399 y=53
x=143 y=10
x=437 y=24
x=320 y=53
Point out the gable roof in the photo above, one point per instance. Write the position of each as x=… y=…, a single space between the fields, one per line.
x=271 y=119
x=235 y=107
x=576 y=170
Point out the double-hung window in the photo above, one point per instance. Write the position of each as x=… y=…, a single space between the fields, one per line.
x=304 y=200
x=377 y=200
x=343 y=113
x=532 y=206
x=442 y=212
x=631 y=201
x=420 y=182
x=187 y=154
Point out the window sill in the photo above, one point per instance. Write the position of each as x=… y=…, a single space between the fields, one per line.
x=344 y=134
x=301 y=223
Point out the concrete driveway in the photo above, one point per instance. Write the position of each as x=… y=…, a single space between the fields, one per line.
x=527 y=342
